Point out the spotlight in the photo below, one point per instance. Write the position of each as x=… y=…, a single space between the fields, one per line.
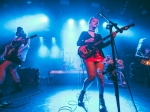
x=82 y=22
x=105 y=24
x=71 y=21
x=53 y=40
x=43 y=19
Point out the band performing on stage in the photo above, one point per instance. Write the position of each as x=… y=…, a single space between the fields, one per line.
x=84 y=52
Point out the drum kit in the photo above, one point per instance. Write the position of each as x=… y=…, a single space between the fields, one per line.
x=72 y=62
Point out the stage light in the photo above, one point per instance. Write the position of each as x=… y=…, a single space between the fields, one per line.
x=43 y=51
x=53 y=40
x=41 y=40
x=69 y=39
x=71 y=22
x=44 y=19
x=82 y=22
x=55 y=51
x=83 y=25
x=105 y=24
x=30 y=23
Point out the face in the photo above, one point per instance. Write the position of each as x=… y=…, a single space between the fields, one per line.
x=94 y=23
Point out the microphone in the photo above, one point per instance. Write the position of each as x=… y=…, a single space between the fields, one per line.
x=114 y=24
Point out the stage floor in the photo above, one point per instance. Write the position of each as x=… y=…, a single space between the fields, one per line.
x=51 y=98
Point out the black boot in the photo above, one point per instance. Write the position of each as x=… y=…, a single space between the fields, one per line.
x=18 y=88
x=80 y=99
x=102 y=107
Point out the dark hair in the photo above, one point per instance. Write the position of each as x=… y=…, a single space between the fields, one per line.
x=20 y=32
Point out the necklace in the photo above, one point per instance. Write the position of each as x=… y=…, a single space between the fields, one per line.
x=92 y=30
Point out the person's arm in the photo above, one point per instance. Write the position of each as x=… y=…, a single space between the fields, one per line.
x=83 y=39
x=26 y=45
x=6 y=50
x=140 y=54
x=107 y=43
x=102 y=44
x=4 y=53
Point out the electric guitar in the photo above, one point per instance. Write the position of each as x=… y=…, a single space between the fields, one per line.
x=145 y=60
x=86 y=51
x=12 y=48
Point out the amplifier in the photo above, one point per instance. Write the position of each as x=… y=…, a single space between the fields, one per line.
x=29 y=75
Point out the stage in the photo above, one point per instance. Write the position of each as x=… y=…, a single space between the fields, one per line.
x=50 y=98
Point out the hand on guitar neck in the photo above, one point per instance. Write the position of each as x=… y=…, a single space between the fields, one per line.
x=114 y=34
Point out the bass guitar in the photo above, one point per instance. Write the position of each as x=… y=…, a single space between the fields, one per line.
x=12 y=48
x=86 y=51
x=145 y=62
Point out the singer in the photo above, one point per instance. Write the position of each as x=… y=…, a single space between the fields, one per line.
x=94 y=64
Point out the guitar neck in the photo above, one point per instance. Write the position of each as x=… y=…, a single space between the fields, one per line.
x=123 y=28
x=103 y=39
x=33 y=36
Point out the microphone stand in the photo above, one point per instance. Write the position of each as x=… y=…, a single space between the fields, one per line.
x=114 y=73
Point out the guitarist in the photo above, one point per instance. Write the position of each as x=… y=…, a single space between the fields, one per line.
x=143 y=53
x=14 y=54
x=94 y=63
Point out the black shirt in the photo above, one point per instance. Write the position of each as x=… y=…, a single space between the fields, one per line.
x=85 y=35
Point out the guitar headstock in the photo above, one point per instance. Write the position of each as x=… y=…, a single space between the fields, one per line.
x=127 y=27
x=33 y=36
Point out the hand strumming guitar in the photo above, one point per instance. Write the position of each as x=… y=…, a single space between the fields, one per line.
x=89 y=40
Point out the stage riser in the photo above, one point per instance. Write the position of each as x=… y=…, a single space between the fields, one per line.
x=58 y=77
x=66 y=78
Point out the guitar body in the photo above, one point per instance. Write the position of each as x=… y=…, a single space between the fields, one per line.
x=13 y=49
x=86 y=51
x=145 y=62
